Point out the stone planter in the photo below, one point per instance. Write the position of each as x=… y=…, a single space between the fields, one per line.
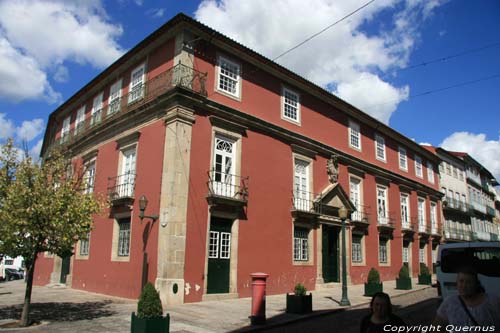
x=403 y=283
x=425 y=279
x=140 y=325
x=373 y=288
x=298 y=304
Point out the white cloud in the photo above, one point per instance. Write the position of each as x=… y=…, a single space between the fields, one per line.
x=156 y=12
x=7 y=127
x=61 y=74
x=37 y=36
x=30 y=129
x=344 y=58
x=35 y=150
x=484 y=151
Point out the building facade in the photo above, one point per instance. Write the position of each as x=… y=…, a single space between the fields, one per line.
x=247 y=165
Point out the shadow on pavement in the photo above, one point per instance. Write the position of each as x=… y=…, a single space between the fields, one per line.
x=64 y=311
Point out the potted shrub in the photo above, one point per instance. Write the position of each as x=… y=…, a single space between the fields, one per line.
x=149 y=316
x=373 y=284
x=299 y=302
x=425 y=276
x=403 y=281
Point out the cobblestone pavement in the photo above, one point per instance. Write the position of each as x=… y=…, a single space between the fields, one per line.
x=64 y=309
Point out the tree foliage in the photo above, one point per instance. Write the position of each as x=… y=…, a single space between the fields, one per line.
x=149 y=305
x=42 y=206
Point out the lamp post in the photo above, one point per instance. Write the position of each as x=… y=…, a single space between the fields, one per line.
x=143 y=203
x=343 y=213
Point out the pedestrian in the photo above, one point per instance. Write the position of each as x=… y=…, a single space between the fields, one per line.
x=471 y=307
x=380 y=315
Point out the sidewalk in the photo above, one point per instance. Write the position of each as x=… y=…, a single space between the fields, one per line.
x=69 y=310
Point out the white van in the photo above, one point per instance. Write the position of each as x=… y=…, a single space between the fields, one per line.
x=484 y=256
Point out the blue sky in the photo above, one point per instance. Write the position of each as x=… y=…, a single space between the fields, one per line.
x=50 y=49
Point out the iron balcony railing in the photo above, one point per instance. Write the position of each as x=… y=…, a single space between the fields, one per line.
x=178 y=76
x=227 y=185
x=121 y=186
x=456 y=204
x=407 y=224
x=361 y=214
x=304 y=201
x=386 y=219
x=457 y=234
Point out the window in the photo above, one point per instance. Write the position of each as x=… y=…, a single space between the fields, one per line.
x=355 y=197
x=382 y=251
x=65 y=128
x=380 y=147
x=90 y=177
x=225 y=245
x=455 y=172
x=433 y=217
x=421 y=214
x=430 y=173
x=223 y=169
x=96 y=113
x=300 y=244
x=461 y=175
x=301 y=185
x=406 y=252
x=441 y=168
x=290 y=102
x=124 y=237
x=9 y=262
x=84 y=245
x=126 y=180
x=403 y=162
x=405 y=210
x=213 y=245
x=354 y=135
x=357 y=251
x=115 y=94
x=80 y=120
x=228 y=78
x=382 y=212
x=448 y=169
x=418 y=167
x=421 y=253
x=136 y=88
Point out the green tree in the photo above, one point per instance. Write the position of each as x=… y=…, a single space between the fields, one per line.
x=42 y=208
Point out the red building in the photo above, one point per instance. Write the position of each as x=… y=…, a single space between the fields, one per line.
x=246 y=164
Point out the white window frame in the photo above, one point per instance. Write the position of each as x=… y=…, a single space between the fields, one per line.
x=288 y=107
x=430 y=173
x=301 y=181
x=66 y=127
x=224 y=167
x=213 y=246
x=126 y=182
x=405 y=210
x=124 y=236
x=354 y=134
x=136 y=88
x=357 y=251
x=80 y=120
x=301 y=244
x=380 y=148
x=383 y=256
x=115 y=96
x=85 y=246
x=225 y=245
x=235 y=81
x=96 y=113
x=403 y=156
x=419 y=172
x=433 y=217
x=421 y=214
x=382 y=212
x=90 y=168
x=355 y=195
x=406 y=254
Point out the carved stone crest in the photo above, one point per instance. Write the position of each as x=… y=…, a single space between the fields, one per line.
x=332 y=169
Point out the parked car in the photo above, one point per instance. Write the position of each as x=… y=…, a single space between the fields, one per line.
x=14 y=274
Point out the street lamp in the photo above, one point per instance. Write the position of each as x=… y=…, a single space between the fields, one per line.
x=343 y=214
x=143 y=203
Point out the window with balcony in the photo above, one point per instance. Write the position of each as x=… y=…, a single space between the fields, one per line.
x=302 y=196
x=380 y=147
x=96 y=113
x=355 y=197
x=418 y=167
x=300 y=244
x=223 y=166
x=357 y=249
x=405 y=210
x=228 y=77
x=382 y=207
x=136 y=87
x=354 y=135
x=125 y=181
x=89 y=178
x=434 y=217
x=65 y=128
x=430 y=173
x=421 y=215
x=80 y=120
x=290 y=105
x=403 y=161
x=115 y=94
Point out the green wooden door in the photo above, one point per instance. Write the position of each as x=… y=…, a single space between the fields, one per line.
x=330 y=254
x=219 y=254
x=65 y=268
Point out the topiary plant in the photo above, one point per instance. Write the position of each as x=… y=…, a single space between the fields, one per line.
x=149 y=305
x=404 y=273
x=300 y=290
x=424 y=270
x=373 y=276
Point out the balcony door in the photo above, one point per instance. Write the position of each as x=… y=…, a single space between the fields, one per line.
x=127 y=178
x=355 y=196
x=223 y=168
x=301 y=185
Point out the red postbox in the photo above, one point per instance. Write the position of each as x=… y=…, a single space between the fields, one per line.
x=258 y=315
